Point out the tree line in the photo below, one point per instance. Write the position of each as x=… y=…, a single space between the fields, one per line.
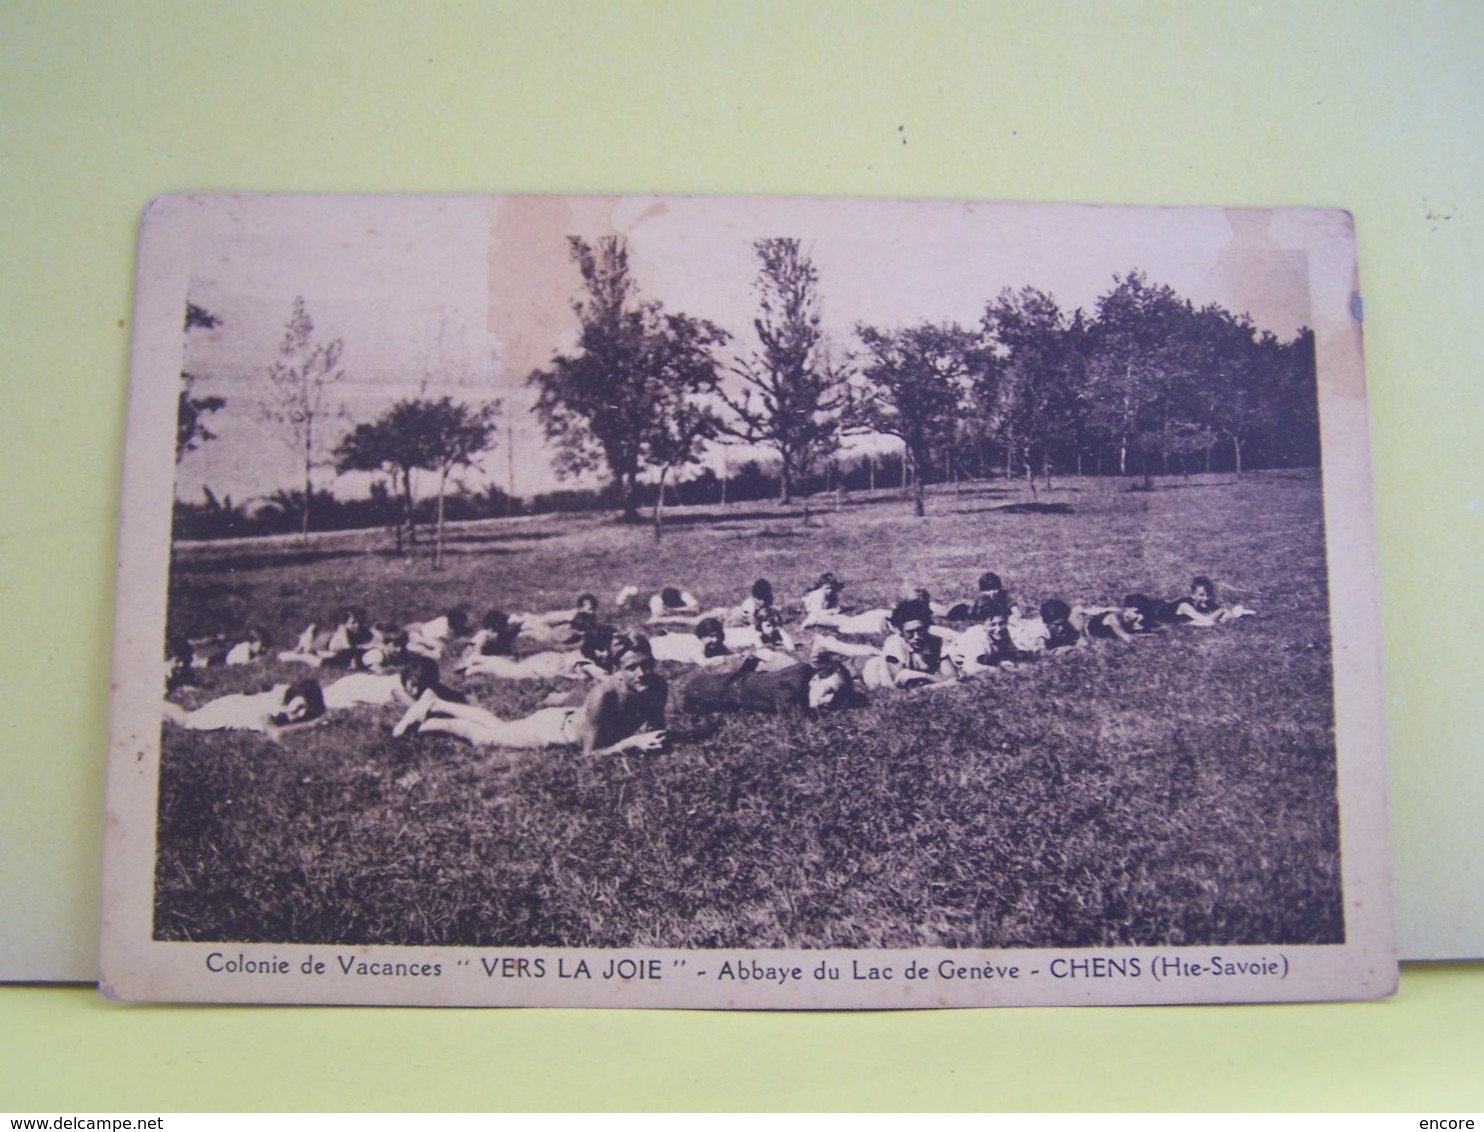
x=216 y=516
x=1146 y=383
x=437 y=435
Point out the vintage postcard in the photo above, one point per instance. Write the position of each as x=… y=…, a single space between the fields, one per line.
x=745 y=603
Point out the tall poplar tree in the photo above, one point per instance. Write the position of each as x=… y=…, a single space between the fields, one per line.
x=793 y=399
x=302 y=377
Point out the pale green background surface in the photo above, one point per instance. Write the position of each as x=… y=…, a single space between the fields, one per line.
x=1372 y=107
x=68 y=1050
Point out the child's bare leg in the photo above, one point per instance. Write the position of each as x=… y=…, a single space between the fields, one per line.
x=475 y=725
x=472 y=713
x=471 y=733
x=416 y=714
x=824 y=643
x=501 y=666
x=309 y=658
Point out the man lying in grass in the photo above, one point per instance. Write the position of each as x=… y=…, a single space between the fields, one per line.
x=823 y=600
x=769 y=645
x=704 y=646
x=496 y=635
x=378 y=689
x=213 y=652
x=913 y=654
x=340 y=647
x=622 y=712
x=767 y=633
x=986 y=647
x=1201 y=608
x=596 y=658
x=753 y=605
x=430 y=638
x=750 y=687
x=249 y=650
x=868 y=623
x=1053 y=629
x=177 y=670
x=565 y=625
x=387 y=650
x=671 y=603
x=1119 y=623
x=823 y=610
x=992 y=594
x=274 y=713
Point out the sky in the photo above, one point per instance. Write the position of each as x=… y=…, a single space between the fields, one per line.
x=464 y=296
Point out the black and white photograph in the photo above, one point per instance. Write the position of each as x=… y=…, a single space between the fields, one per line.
x=757 y=603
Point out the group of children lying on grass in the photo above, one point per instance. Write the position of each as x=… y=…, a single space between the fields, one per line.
x=747 y=660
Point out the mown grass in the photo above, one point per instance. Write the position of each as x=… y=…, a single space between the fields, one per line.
x=1179 y=790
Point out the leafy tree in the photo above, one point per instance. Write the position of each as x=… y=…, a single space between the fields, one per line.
x=1143 y=373
x=1289 y=379
x=190 y=426
x=1038 y=371
x=794 y=399
x=1236 y=386
x=432 y=435
x=455 y=434
x=301 y=379
x=633 y=394
x=681 y=425
x=384 y=445
x=916 y=383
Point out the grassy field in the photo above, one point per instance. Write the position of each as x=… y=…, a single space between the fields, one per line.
x=1177 y=790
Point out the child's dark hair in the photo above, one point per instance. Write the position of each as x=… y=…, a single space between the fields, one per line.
x=421 y=670
x=597 y=640
x=989 y=582
x=587 y=599
x=1146 y=607
x=828 y=579
x=671 y=598
x=762 y=589
x=1054 y=609
x=829 y=665
x=458 y=621
x=709 y=627
x=309 y=691
x=502 y=634
x=178 y=650
x=913 y=609
x=995 y=607
x=1200 y=581
x=392 y=635
x=624 y=643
